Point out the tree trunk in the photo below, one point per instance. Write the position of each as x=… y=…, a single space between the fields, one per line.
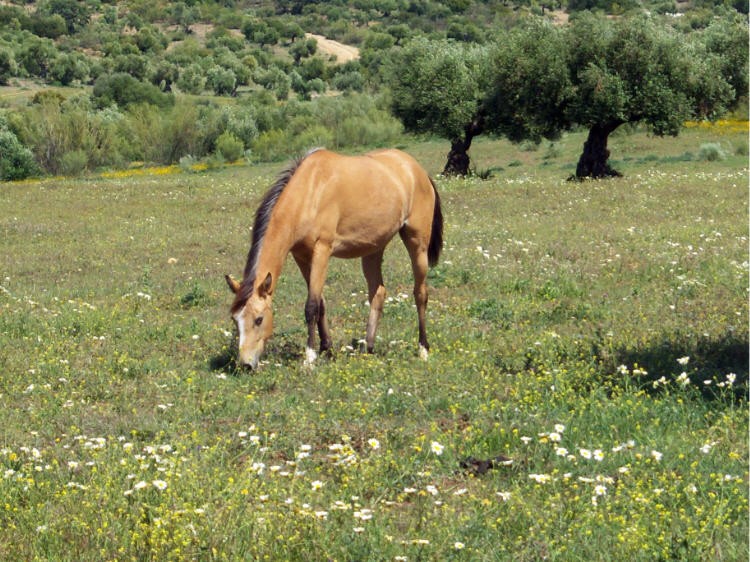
x=594 y=159
x=458 y=157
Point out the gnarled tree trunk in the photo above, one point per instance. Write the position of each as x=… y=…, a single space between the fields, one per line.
x=458 y=157
x=593 y=162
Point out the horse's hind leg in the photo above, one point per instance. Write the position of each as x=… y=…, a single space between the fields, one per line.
x=417 y=248
x=371 y=267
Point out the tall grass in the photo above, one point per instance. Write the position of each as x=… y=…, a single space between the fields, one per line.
x=585 y=397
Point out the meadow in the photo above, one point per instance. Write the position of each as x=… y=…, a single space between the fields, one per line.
x=585 y=396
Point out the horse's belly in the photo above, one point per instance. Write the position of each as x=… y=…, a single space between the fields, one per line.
x=359 y=246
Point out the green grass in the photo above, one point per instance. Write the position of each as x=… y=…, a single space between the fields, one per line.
x=557 y=317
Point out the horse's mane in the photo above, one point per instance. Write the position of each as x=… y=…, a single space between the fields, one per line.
x=260 y=225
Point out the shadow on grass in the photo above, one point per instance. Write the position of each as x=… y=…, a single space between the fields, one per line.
x=282 y=349
x=710 y=359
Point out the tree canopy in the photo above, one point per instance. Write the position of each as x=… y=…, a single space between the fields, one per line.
x=595 y=73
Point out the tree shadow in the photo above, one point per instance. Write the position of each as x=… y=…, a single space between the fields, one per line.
x=710 y=359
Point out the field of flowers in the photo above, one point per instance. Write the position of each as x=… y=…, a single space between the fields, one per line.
x=585 y=398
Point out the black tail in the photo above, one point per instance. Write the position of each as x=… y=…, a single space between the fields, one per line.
x=436 y=236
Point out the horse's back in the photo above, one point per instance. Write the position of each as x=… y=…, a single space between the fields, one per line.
x=361 y=202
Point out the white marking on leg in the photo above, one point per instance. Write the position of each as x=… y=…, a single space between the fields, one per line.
x=423 y=353
x=310 y=356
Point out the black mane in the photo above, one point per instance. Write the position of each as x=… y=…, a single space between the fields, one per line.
x=262 y=218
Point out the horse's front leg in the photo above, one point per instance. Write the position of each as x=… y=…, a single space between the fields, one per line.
x=325 y=336
x=315 y=306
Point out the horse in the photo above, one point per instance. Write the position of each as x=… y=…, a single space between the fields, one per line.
x=327 y=205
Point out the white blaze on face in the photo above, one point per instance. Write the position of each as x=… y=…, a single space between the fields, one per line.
x=239 y=318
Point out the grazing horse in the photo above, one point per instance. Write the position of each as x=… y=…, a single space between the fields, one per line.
x=326 y=204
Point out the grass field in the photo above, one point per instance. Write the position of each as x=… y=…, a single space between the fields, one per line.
x=585 y=397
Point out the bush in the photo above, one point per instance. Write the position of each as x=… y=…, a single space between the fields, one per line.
x=16 y=161
x=164 y=137
x=7 y=66
x=242 y=124
x=316 y=136
x=73 y=163
x=712 y=152
x=52 y=127
x=229 y=146
x=221 y=80
x=352 y=81
x=271 y=146
x=192 y=80
x=124 y=90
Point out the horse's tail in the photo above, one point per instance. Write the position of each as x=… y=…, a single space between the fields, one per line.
x=436 y=236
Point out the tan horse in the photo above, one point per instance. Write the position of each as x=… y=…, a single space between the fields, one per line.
x=324 y=205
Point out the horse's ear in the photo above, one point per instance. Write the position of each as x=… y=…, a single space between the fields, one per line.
x=265 y=288
x=234 y=286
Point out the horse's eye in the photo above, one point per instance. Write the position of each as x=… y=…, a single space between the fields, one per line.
x=259 y=321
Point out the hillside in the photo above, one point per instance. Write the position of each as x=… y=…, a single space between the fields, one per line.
x=159 y=82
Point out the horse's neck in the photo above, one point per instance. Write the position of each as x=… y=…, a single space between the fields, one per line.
x=277 y=242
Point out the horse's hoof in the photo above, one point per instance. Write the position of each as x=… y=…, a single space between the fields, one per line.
x=423 y=353
x=310 y=357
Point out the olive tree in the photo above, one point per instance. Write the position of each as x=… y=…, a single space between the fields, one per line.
x=538 y=80
x=637 y=71
x=439 y=87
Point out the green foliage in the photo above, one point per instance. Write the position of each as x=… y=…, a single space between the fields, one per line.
x=438 y=87
x=303 y=49
x=7 y=65
x=637 y=70
x=192 y=79
x=711 y=152
x=67 y=68
x=124 y=90
x=53 y=128
x=76 y=14
x=275 y=80
x=73 y=163
x=164 y=137
x=34 y=55
x=229 y=146
x=16 y=161
x=530 y=83
x=221 y=80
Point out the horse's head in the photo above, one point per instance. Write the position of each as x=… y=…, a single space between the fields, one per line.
x=253 y=315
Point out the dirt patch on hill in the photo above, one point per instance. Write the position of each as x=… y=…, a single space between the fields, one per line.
x=343 y=53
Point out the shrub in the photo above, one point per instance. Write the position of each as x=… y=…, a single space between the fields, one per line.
x=186 y=163
x=241 y=122
x=124 y=90
x=359 y=131
x=221 y=80
x=73 y=163
x=16 y=161
x=316 y=136
x=7 y=66
x=352 y=81
x=192 y=80
x=164 y=137
x=229 y=146
x=711 y=151
x=271 y=146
